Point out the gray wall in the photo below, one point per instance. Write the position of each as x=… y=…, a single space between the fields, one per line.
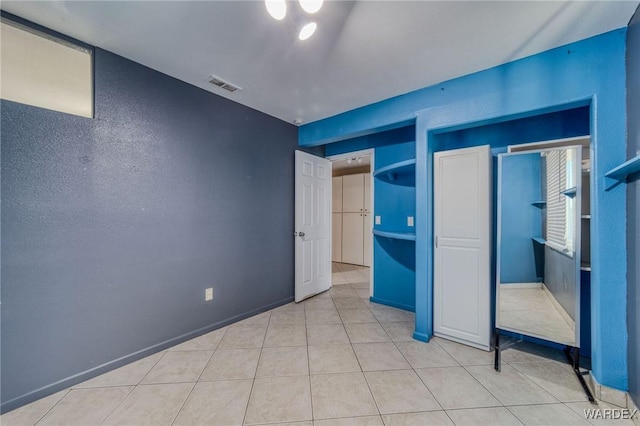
x=113 y=227
x=560 y=278
x=633 y=206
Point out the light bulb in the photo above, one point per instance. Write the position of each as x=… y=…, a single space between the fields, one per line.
x=307 y=31
x=276 y=8
x=311 y=6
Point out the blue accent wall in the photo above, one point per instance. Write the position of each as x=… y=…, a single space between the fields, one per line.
x=113 y=227
x=590 y=73
x=521 y=221
x=394 y=279
x=633 y=206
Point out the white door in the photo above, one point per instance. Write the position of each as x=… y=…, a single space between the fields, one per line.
x=313 y=225
x=462 y=238
x=353 y=238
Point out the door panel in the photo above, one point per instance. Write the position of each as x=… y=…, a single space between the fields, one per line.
x=352 y=238
x=460 y=310
x=353 y=193
x=336 y=238
x=312 y=225
x=367 y=192
x=336 y=195
x=462 y=238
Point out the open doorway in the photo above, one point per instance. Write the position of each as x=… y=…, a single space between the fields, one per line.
x=352 y=221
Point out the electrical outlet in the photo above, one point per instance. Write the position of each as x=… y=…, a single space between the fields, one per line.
x=208 y=294
x=378 y=220
x=409 y=220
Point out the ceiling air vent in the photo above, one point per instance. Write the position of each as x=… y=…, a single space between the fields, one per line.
x=217 y=81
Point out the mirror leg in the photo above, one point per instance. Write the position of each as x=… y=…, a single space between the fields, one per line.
x=496 y=363
x=574 y=360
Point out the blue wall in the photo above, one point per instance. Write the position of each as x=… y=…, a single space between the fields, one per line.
x=395 y=271
x=112 y=227
x=521 y=221
x=590 y=73
x=633 y=211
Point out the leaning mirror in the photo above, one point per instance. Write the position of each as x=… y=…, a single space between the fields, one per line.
x=538 y=259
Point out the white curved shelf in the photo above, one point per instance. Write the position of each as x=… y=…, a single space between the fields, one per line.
x=395 y=235
x=397 y=172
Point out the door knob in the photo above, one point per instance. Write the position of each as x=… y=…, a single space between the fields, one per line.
x=300 y=234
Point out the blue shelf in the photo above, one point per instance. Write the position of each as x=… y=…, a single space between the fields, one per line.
x=402 y=173
x=571 y=192
x=625 y=169
x=539 y=204
x=395 y=235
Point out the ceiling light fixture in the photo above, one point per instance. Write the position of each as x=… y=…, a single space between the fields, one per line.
x=276 y=8
x=307 y=31
x=311 y=6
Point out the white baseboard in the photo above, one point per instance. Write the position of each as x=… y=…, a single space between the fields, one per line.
x=563 y=313
x=520 y=285
x=631 y=405
x=609 y=395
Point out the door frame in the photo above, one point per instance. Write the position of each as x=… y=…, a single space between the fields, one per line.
x=361 y=153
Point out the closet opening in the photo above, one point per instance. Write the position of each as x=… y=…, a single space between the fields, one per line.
x=352 y=221
x=545 y=131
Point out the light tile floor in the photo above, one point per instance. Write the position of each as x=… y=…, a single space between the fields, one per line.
x=532 y=311
x=335 y=359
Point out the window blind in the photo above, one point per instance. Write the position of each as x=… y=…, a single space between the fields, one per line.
x=556 y=201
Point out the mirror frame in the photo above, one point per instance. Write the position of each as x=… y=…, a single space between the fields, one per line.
x=577 y=240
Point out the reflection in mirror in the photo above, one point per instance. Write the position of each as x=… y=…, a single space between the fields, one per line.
x=538 y=273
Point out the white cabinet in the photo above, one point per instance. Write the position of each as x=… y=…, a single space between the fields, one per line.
x=352 y=226
x=353 y=193
x=336 y=237
x=353 y=238
x=367 y=193
x=336 y=195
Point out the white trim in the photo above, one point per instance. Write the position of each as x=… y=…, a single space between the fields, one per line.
x=362 y=153
x=556 y=143
x=609 y=395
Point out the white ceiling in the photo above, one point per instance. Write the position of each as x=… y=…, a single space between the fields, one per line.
x=362 y=52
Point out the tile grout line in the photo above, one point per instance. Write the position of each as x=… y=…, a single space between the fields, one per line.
x=306 y=335
x=471 y=374
x=134 y=387
x=253 y=381
x=68 y=390
x=364 y=376
x=204 y=367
